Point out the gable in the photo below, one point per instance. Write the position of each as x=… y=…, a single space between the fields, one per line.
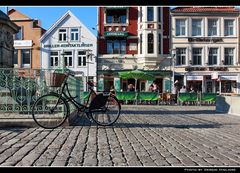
x=15 y=14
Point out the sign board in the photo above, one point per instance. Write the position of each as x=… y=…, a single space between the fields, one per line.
x=116 y=34
x=214 y=75
x=167 y=85
x=64 y=45
x=100 y=84
x=228 y=77
x=194 y=77
x=132 y=46
x=22 y=43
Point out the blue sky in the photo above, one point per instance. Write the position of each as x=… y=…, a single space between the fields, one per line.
x=49 y=15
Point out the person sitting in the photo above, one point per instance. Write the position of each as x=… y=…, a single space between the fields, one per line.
x=131 y=87
x=183 y=89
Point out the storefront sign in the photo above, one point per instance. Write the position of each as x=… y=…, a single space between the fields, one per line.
x=116 y=34
x=205 y=40
x=64 y=45
x=100 y=84
x=228 y=77
x=117 y=84
x=194 y=77
x=20 y=43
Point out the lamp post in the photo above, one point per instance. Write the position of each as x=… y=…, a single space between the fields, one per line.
x=173 y=54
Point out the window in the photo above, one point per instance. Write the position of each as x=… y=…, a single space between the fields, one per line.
x=82 y=59
x=159 y=44
x=62 y=35
x=74 y=34
x=15 y=58
x=149 y=14
x=181 y=56
x=19 y=35
x=228 y=56
x=150 y=43
x=54 y=59
x=212 y=27
x=68 y=59
x=25 y=57
x=180 y=27
x=116 y=46
x=228 y=27
x=116 y=16
x=196 y=27
x=141 y=42
x=159 y=14
x=197 y=56
x=212 y=57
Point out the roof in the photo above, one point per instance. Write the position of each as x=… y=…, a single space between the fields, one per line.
x=226 y=9
x=3 y=16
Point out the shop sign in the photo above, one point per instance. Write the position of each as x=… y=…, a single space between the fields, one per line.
x=19 y=43
x=64 y=45
x=116 y=34
x=194 y=77
x=214 y=40
x=228 y=77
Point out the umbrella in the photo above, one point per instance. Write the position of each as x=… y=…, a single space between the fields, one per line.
x=136 y=74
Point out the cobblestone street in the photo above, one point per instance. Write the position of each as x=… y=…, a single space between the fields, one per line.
x=143 y=136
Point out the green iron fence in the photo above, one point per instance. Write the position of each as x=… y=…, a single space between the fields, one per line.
x=20 y=88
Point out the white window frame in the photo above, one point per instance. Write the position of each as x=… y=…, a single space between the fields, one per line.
x=180 y=27
x=233 y=57
x=82 y=56
x=68 y=58
x=30 y=56
x=62 y=33
x=201 y=27
x=56 y=59
x=182 y=55
x=201 y=55
x=75 y=34
x=217 y=27
x=233 y=27
x=218 y=50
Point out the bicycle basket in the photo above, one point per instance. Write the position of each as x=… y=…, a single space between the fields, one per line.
x=54 y=79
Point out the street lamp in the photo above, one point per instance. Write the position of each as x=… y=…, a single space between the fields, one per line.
x=173 y=54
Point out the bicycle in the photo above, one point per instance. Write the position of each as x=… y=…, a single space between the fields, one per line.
x=51 y=110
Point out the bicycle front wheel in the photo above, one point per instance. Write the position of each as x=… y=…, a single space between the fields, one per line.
x=108 y=114
x=50 y=111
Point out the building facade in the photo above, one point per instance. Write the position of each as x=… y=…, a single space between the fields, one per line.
x=132 y=38
x=27 y=40
x=7 y=29
x=205 y=48
x=69 y=43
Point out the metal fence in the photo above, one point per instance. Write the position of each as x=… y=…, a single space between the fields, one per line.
x=20 y=88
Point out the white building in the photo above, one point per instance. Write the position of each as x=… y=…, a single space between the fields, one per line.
x=69 y=43
x=205 y=45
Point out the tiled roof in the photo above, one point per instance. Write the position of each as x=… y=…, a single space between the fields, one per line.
x=204 y=9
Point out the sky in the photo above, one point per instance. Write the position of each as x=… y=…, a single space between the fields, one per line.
x=50 y=14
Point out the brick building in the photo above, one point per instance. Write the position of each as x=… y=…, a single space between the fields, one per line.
x=124 y=36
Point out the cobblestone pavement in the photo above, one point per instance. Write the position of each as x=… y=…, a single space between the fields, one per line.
x=143 y=136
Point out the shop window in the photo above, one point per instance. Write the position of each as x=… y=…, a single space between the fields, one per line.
x=62 y=35
x=54 y=59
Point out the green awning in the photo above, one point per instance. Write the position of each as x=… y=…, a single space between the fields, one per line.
x=115 y=34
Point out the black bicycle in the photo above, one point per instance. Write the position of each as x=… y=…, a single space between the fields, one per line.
x=51 y=110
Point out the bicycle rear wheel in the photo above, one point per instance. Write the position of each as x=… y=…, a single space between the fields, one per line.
x=108 y=114
x=50 y=111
